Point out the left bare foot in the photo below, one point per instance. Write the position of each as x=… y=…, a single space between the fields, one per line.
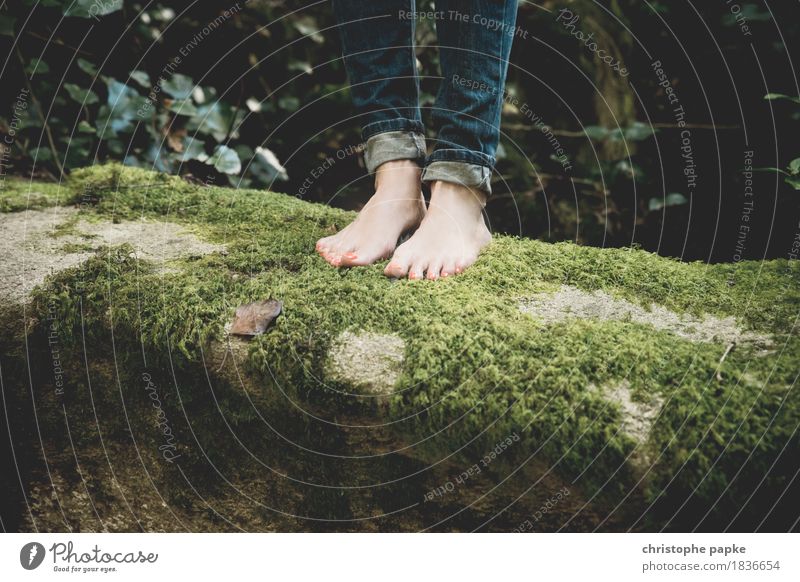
x=449 y=238
x=396 y=206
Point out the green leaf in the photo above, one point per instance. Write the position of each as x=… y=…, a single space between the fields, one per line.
x=92 y=8
x=794 y=166
x=182 y=107
x=596 y=132
x=142 y=79
x=85 y=127
x=672 y=199
x=774 y=96
x=193 y=149
x=80 y=95
x=225 y=160
x=301 y=66
x=794 y=182
x=7 y=25
x=289 y=103
x=266 y=167
x=750 y=12
x=87 y=67
x=41 y=154
x=215 y=119
x=37 y=67
x=123 y=107
x=307 y=26
x=638 y=131
x=178 y=86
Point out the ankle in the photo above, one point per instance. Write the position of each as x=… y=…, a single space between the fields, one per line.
x=402 y=170
x=450 y=193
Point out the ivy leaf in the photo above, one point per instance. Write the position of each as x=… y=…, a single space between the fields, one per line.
x=289 y=103
x=37 y=67
x=638 y=131
x=179 y=86
x=794 y=182
x=596 y=132
x=193 y=149
x=158 y=158
x=92 y=8
x=225 y=160
x=7 y=25
x=266 y=167
x=87 y=67
x=142 y=79
x=776 y=96
x=182 y=107
x=85 y=127
x=672 y=199
x=794 y=166
x=81 y=95
x=307 y=26
x=301 y=66
x=124 y=105
x=215 y=119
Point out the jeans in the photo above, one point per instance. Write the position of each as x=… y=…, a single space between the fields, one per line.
x=474 y=39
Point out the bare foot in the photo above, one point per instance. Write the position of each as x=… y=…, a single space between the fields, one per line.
x=396 y=206
x=448 y=240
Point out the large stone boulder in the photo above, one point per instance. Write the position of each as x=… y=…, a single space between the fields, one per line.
x=551 y=386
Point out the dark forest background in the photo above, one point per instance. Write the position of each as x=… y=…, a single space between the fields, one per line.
x=254 y=94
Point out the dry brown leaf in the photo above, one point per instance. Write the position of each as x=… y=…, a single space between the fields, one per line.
x=254 y=318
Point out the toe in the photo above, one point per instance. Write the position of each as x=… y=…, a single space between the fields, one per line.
x=434 y=269
x=325 y=243
x=448 y=268
x=397 y=267
x=417 y=271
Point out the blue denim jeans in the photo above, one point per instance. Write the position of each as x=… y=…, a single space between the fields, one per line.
x=474 y=40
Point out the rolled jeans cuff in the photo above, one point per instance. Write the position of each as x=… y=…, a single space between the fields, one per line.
x=474 y=176
x=393 y=145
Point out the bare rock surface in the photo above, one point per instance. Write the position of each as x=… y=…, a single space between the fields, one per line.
x=37 y=243
x=570 y=302
x=367 y=360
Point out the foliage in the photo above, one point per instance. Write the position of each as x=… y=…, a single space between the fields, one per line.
x=255 y=95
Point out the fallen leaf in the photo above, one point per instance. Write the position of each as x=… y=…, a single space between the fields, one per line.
x=254 y=318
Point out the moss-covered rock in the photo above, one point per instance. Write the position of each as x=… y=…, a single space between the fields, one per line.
x=655 y=393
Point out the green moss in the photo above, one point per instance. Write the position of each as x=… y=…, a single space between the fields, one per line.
x=17 y=194
x=471 y=354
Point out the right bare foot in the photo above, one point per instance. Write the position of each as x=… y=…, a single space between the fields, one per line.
x=396 y=206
